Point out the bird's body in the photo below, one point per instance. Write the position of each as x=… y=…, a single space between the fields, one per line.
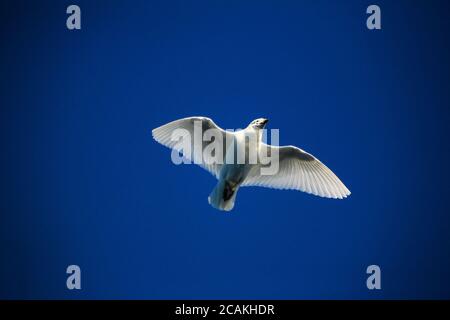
x=232 y=173
x=238 y=160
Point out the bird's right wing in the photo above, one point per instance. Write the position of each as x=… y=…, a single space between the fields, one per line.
x=299 y=170
x=165 y=135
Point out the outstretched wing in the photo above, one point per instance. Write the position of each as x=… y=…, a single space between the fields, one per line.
x=164 y=135
x=299 y=170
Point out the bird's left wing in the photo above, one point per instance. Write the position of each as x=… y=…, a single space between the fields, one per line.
x=298 y=170
x=167 y=136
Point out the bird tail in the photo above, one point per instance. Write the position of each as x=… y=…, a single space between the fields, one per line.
x=223 y=196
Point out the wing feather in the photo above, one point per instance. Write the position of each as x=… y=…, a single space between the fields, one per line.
x=163 y=135
x=299 y=170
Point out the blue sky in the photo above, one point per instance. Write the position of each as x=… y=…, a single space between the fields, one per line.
x=84 y=183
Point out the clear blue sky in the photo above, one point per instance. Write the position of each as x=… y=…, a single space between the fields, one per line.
x=82 y=181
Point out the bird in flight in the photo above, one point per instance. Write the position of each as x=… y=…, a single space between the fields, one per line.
x=241 y=158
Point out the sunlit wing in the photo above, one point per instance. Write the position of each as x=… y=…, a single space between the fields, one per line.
x=299 y=170
x=163 y=135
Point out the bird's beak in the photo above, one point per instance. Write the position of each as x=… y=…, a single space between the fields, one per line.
x=265 y=121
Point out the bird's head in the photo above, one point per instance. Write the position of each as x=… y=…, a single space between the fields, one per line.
x=259 y=123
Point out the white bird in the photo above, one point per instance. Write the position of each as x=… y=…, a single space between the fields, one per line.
x=297 y=169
